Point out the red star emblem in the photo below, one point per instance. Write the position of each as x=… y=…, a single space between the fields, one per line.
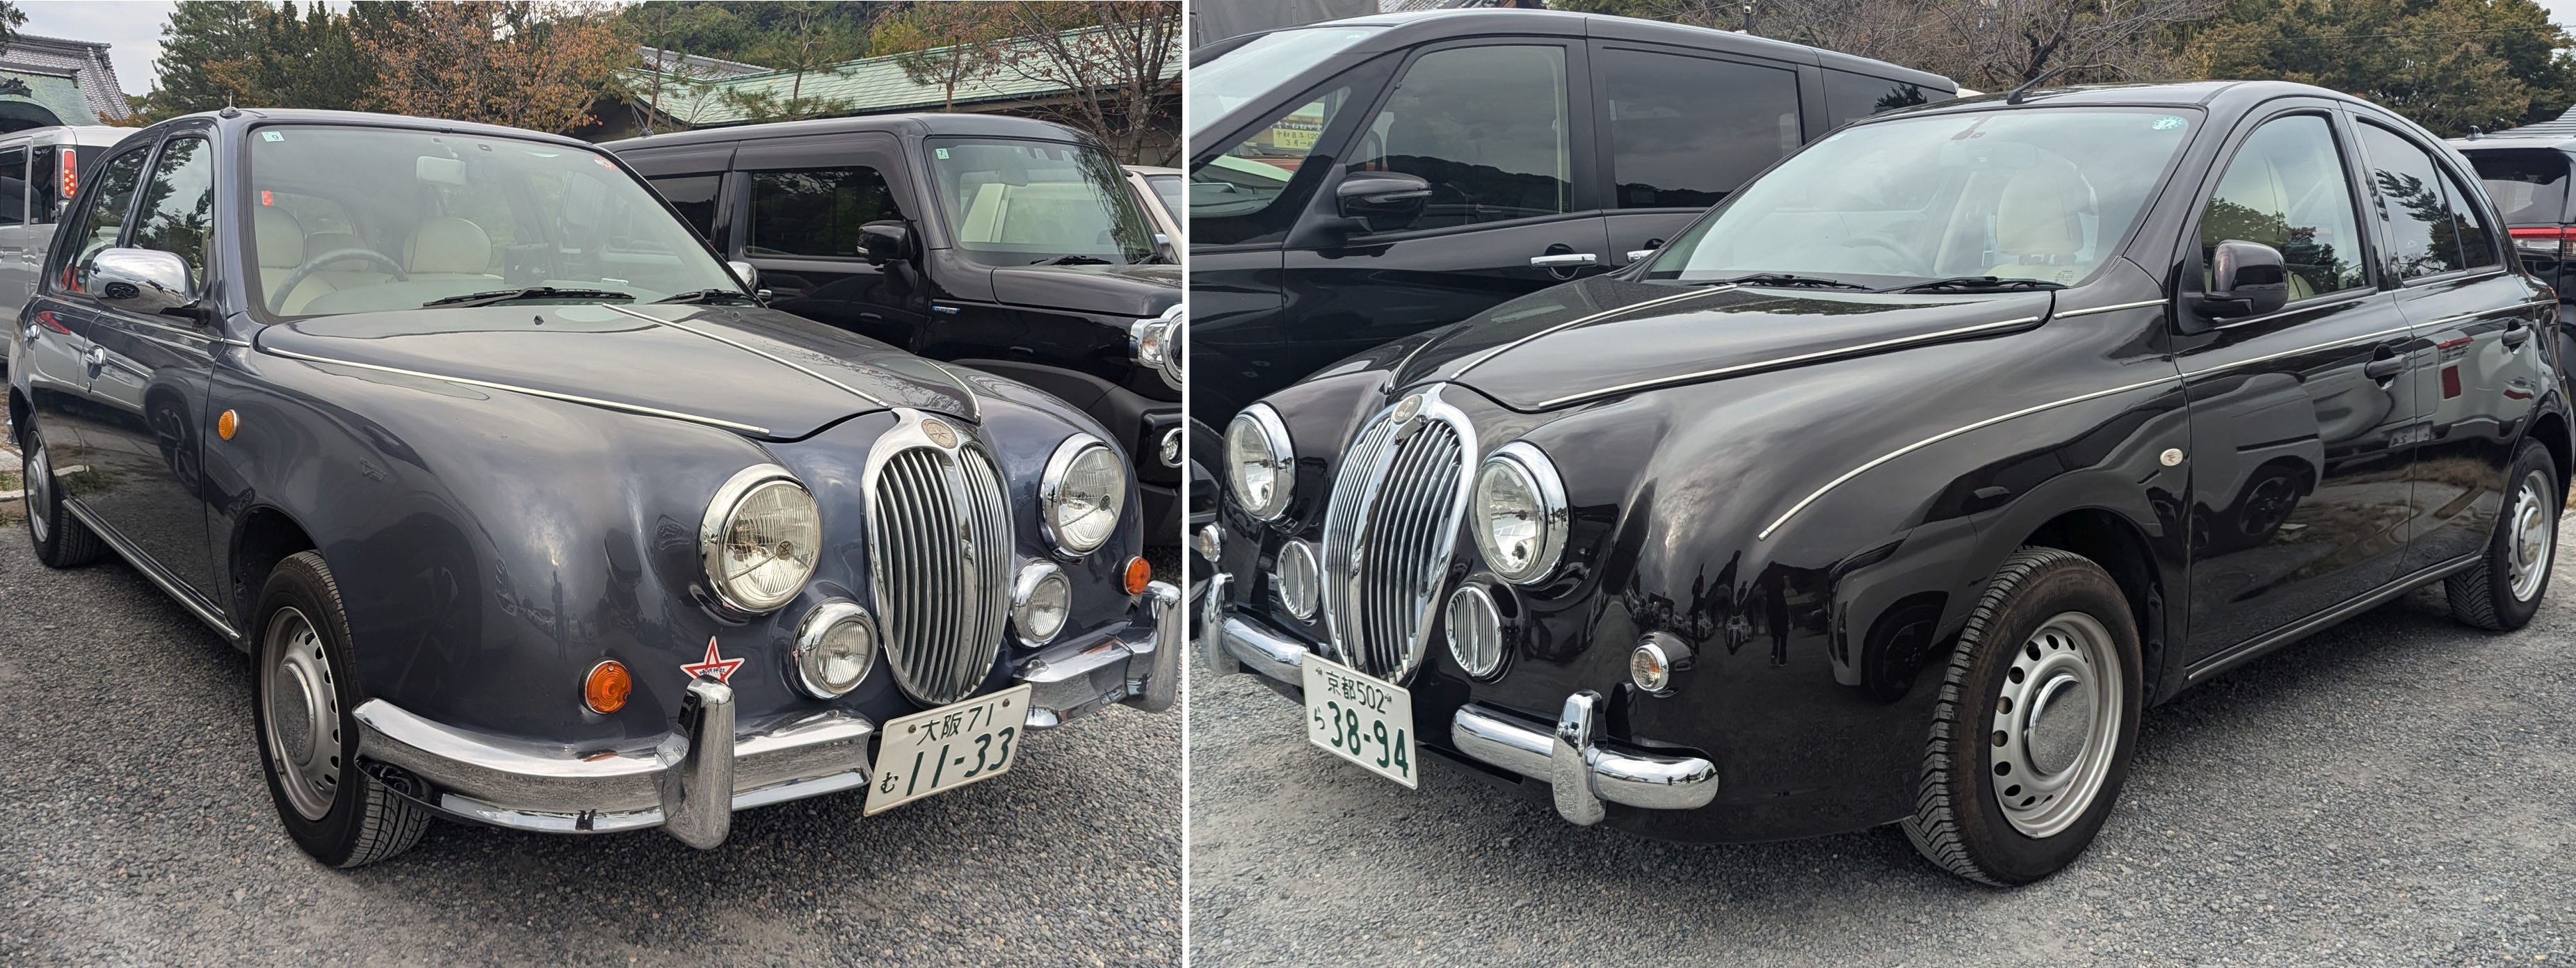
x=715 y=663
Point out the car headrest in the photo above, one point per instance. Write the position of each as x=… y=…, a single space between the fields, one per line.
x=280 y=237
x=451 y=245
x=2041 y=211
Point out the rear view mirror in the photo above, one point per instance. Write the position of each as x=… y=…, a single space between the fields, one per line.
x=147 y=281
x=439 y=171
x=2245 y=279
x=886 y=241
x=746 y=272
x=1383 y=201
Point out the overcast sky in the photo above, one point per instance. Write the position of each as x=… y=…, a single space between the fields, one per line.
x=133 y=27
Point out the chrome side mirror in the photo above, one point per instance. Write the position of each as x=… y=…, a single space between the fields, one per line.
x=749 y=275
x=146 y=281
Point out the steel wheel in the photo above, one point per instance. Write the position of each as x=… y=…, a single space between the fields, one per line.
x=2535 y=536
x=2056 y=726
x=303 y=706
x=38 y=474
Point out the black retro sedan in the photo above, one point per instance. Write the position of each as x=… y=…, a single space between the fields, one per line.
x=1901 y=483
x=529 y=515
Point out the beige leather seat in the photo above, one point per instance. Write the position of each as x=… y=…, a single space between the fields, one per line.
x=448 y=248
x=280 y=240
x=1044 y=216
x=2039 y=223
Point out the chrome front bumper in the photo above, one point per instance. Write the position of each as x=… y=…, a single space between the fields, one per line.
x=1585 y=771
x=691 y=783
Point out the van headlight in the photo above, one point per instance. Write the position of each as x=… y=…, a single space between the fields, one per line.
x=1520 y=513
x=1081 y=494
x=760 y=539
x=1258 y=461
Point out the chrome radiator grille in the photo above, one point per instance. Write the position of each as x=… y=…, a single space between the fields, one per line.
x=940 y=545
x=1388 y=533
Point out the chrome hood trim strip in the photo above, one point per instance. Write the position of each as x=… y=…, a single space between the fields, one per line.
x=753 y=350
x=530 y=391
x=1924 y=339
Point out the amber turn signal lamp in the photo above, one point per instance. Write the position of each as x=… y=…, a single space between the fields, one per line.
x=1138 y=573
x=226 y=424
x=606 y=688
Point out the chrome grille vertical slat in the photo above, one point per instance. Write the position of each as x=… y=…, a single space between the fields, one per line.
x=941 y=542
x=1398 y=500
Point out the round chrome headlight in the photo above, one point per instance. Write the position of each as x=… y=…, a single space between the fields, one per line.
x=1258 y=461
x=836 y=645
x=760 y=538
x=1081 y=494
x=1041 y=599
x=1475 y=628
x=1298 y=580
x=1520 y=513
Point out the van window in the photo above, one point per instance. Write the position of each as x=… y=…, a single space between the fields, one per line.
x=695 y=197
x=1010 y=201
x=45 y=189
x=2529 y=187
x=1686 y=131
x=13 y=186
x=1237 y=197
x=1486 y=126
x=1849 y=95
x=816 y=211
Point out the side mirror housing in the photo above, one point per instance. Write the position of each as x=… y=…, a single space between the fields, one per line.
x=1382 y=201
x=746 y=272
x=886 y=241
x=147 y=281
x=2245 y=279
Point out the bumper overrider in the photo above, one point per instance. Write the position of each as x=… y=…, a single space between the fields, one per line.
x=1585 y=771
x=691 y=783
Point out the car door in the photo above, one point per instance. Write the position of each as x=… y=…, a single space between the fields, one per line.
x=1682 y=129
x=149 y=374
x=2300 y=418
x=802 y=205
x=2443 y=251
x=1491 y=125
x=63 y=358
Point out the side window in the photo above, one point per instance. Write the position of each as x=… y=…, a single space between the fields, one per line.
x=2424 y=236
x=102 y=216
x=1237 y=197
x=1849 y=95
x=13 y=186
x=45 y=196
x=816 y=212
x=1687 y=131
x=2477 y=242
x=179 y=203
x=2286 y=188
x=695 y=197
x=1486 y=126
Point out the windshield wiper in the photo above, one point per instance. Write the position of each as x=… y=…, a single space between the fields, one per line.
x=1975 y=283
x=707 y=295
x=533 y=292
x=1783 y=279
x=1072 y=260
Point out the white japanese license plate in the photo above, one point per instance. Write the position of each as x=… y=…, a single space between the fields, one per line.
x=948 y=747
x=1364 y=720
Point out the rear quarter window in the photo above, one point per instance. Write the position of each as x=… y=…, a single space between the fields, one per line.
x=2529 y=187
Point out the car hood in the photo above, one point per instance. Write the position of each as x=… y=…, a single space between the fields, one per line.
x=758 y=371
x=1137 y=292
x=1607 y=336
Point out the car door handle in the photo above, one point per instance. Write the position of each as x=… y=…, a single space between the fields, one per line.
x=2384 y=368
x=1565 y=259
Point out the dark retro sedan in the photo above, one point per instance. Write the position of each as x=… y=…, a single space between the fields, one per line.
x=529 y=515
x=1903 y=481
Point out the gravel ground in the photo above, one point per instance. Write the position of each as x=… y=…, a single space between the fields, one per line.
x=2395 y=790
x=134 y=829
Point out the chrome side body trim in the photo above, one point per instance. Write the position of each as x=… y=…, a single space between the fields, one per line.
x=2141 y=304
x=151 y=570
x=1835 y=353
x=2258 y=646
x=748 y=348
x=2268 y=357
x=548 y=394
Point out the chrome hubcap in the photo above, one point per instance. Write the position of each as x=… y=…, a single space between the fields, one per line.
x=303 y=714
x=2535 y=534
x=2056 y=725
x=39 y=475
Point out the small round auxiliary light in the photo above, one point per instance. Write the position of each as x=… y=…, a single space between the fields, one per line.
x=228 y=423
x=606 y=688
x=1475 y=629
x=1139 y=573
x=1298 y=579
x=1652 y=665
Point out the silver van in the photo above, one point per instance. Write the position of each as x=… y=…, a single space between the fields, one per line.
x=40 y=168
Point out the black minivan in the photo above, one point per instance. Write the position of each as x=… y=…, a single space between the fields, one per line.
x=1357 y=181
x=2527 y=177
x=1007 y=245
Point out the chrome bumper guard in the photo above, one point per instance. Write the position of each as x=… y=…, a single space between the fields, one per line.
x=692 y=782
x=1585 y=771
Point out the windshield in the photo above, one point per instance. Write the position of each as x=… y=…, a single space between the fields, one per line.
x=350 y=220
x=2037 y=194
x=1013 y=202
x=1227 y=80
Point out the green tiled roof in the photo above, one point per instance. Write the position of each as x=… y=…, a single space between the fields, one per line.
x=872 y=85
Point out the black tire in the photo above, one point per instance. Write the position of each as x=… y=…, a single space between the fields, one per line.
x=61 y=540
x=1960 y=821
x=364 y=821
x=2484 y=595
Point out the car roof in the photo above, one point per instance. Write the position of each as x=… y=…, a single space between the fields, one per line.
x=919 y=124
x=2214 y=95
x=87 y=135
x=1407 y=29
x=2547 y=143
x=240 y=118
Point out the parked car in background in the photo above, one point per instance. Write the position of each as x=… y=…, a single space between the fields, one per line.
x=530 y=515
x=1163 y=194
x=40 y=169
x=1358 y=181
x=2528 y=178
x=1004 y=244
x=1900 y=483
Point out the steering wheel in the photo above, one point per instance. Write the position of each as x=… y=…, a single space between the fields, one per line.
x=312 y=264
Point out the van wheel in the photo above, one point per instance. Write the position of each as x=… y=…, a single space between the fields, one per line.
x=2035 y=724
x=308 y=739
x=62 y=541
x=2502 y=591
